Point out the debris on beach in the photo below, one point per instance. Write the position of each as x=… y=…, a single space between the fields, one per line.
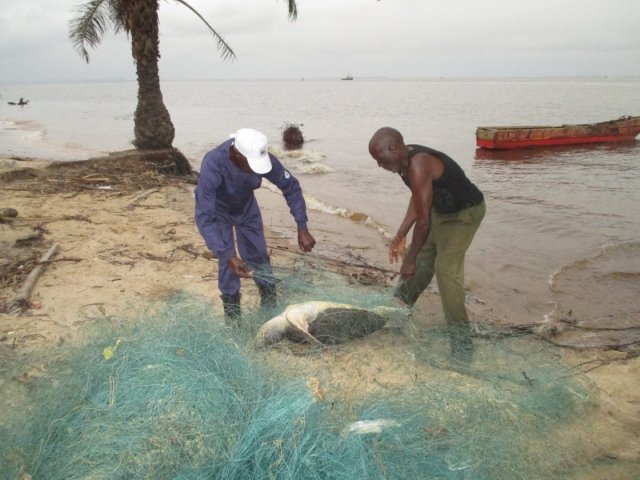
x=364 y=427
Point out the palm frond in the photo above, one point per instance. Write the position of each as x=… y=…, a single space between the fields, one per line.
x=89 y=26
x=225 y=50
x=118 y=14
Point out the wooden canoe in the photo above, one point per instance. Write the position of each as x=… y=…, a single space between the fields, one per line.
x=624 y=129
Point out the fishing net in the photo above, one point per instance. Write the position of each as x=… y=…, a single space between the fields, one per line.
x=172 y=392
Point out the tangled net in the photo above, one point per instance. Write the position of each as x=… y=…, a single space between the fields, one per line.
x=176 y=394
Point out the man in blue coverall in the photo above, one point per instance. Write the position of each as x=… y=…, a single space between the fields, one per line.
x=225 y=200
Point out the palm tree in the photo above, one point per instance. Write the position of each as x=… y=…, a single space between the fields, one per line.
x=153 y=128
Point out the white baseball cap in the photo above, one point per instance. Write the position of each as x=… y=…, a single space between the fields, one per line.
x=253 y=145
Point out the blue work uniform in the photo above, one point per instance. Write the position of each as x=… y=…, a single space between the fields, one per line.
x=225 y=199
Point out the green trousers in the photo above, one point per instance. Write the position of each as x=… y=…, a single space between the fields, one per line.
x=443 y=254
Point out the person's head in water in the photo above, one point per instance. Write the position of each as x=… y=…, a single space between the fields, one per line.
x=292 y=137
x=388 y=149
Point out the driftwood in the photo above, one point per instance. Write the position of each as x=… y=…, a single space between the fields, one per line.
x=21 y=299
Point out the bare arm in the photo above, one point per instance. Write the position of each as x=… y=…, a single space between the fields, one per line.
x=409 y=220
x=421 y=176
x=397 y=245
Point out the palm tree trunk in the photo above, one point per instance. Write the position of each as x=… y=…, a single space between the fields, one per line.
x=152 y=124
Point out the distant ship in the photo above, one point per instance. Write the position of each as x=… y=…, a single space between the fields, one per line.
x=348 y=77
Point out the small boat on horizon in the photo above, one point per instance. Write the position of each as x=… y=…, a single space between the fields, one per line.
x=348 y=77
x=22 y=101
x=624 y=129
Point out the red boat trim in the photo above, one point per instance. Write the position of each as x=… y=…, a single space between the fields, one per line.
x=551 y=141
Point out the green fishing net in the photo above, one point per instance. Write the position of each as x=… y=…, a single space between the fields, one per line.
x=170 y=392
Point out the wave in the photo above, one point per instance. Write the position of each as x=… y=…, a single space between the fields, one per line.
x=626 y=276
x=31 y=139
x=625 y=255
x=600 y=290
x=312 y=169
x=302 y=161
x=21 y=137
x=27 y=130
x=358 y=217
x=322 y=207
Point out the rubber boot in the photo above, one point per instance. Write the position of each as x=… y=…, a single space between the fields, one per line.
x=231 y=305
x=268 y=296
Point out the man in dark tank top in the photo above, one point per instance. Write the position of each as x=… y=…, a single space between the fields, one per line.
x=445 y=211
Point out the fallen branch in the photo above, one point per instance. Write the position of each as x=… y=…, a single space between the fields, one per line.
x=188 y=248
x=56 y=260
x=151 y=256
x=141 y=197
x=92 y=179
x=337 y=262
x=21 y=299
x=488 y=330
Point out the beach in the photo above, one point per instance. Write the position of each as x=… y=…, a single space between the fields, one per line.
x=554 y=267
x=137 y=244
x=555 y=217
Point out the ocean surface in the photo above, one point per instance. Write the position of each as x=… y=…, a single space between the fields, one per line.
x=562 y=229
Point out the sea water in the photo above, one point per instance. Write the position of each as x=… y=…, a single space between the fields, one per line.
x=549 y=211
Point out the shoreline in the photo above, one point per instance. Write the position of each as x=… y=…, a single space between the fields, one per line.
x=346 y=240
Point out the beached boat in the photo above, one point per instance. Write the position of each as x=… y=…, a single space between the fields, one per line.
x=624 y=129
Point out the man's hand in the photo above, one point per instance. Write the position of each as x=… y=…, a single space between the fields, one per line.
x=306 y=240
x=397 y=248
x=238 y=267
x=408 y=268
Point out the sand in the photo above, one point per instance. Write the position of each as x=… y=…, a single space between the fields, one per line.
x=128 y=239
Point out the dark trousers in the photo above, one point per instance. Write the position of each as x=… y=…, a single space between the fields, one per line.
x=252 y=249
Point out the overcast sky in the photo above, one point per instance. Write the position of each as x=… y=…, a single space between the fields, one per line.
x=367 y=38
